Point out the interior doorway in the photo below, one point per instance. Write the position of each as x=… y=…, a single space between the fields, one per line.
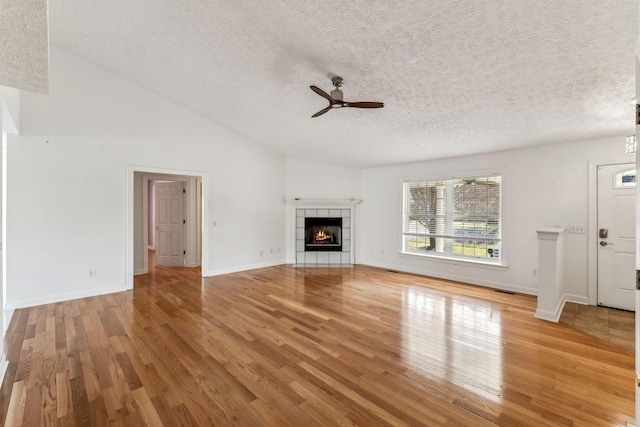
x=137 y=208
x=172 y=221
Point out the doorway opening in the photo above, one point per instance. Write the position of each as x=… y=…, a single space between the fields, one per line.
x=173 y=229
x=143 y=222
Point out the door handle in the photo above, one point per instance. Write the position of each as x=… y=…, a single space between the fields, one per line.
x=603 y=243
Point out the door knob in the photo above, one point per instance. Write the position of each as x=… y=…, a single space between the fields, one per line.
x=603 y=243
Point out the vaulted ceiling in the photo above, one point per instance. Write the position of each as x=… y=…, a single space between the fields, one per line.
x=457 y=77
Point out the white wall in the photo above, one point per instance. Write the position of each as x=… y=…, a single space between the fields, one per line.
x=542 y=186
x=318 y=181
x=9 y=123
x=67 y=183
x=10 y=109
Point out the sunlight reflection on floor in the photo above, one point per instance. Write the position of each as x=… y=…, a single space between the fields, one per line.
x=474 y=344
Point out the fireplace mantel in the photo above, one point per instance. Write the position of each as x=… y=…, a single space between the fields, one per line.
x=322 y=203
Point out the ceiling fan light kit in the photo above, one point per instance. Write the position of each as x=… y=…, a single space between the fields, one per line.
x=336 y=99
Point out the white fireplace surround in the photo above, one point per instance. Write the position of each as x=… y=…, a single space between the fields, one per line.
x=344 y=209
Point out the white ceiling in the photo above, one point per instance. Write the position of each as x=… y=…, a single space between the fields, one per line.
x=457 y=76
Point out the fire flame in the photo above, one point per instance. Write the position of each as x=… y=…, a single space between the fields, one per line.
x=322 y=236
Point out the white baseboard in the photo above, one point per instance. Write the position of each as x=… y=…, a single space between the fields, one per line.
x=4 y=363
x=218 y=272
x=463 y=279
x=555 y=315
x=7 y=318
x=13 y=305
x=139 y=271
x=552 y=316
x=576 y=299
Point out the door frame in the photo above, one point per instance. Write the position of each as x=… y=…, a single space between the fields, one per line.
x=129 y=207
x=592 y=225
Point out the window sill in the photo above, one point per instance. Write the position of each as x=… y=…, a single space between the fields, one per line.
x=458 y=261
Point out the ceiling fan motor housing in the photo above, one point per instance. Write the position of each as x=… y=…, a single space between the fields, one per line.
x=337 y=93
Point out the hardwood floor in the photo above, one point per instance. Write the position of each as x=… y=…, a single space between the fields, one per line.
x=285 y=346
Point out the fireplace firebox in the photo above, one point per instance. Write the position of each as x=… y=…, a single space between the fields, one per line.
x=323 y=234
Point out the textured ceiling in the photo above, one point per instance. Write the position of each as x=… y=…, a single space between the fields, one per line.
x=457 y=76
x=24 y=45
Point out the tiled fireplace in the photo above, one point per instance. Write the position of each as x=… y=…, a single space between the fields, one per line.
x=324 y=232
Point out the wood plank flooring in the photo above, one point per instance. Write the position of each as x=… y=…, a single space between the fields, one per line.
x=285 y=346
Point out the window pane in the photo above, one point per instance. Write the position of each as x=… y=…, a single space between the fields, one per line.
x=625 y=178
x=459 y=217
x=476 y=248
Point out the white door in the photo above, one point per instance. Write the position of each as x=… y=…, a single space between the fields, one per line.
x=170 y=224
x=616 y=235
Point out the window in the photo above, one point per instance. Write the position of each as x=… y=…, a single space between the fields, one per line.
x=625 y=179
x=459 y=218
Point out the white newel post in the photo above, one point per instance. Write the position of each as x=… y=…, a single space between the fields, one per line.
x=551 y=295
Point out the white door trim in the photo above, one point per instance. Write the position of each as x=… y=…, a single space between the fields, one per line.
x=129 y=204
x=592 y=232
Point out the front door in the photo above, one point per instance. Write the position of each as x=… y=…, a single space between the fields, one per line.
x=170 y=217
x=616 y=235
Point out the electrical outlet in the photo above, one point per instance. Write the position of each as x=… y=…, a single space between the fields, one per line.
x=93 y=272
x=534 y=272
x=577 y=229
x=261 y=253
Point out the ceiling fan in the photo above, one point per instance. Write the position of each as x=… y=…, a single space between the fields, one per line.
x=336 y=101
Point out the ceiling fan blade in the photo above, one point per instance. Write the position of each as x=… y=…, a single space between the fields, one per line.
x=321 y=93
x=364 y=104
x=321 y=112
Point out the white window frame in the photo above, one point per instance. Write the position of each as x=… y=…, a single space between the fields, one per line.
x=447 y=253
